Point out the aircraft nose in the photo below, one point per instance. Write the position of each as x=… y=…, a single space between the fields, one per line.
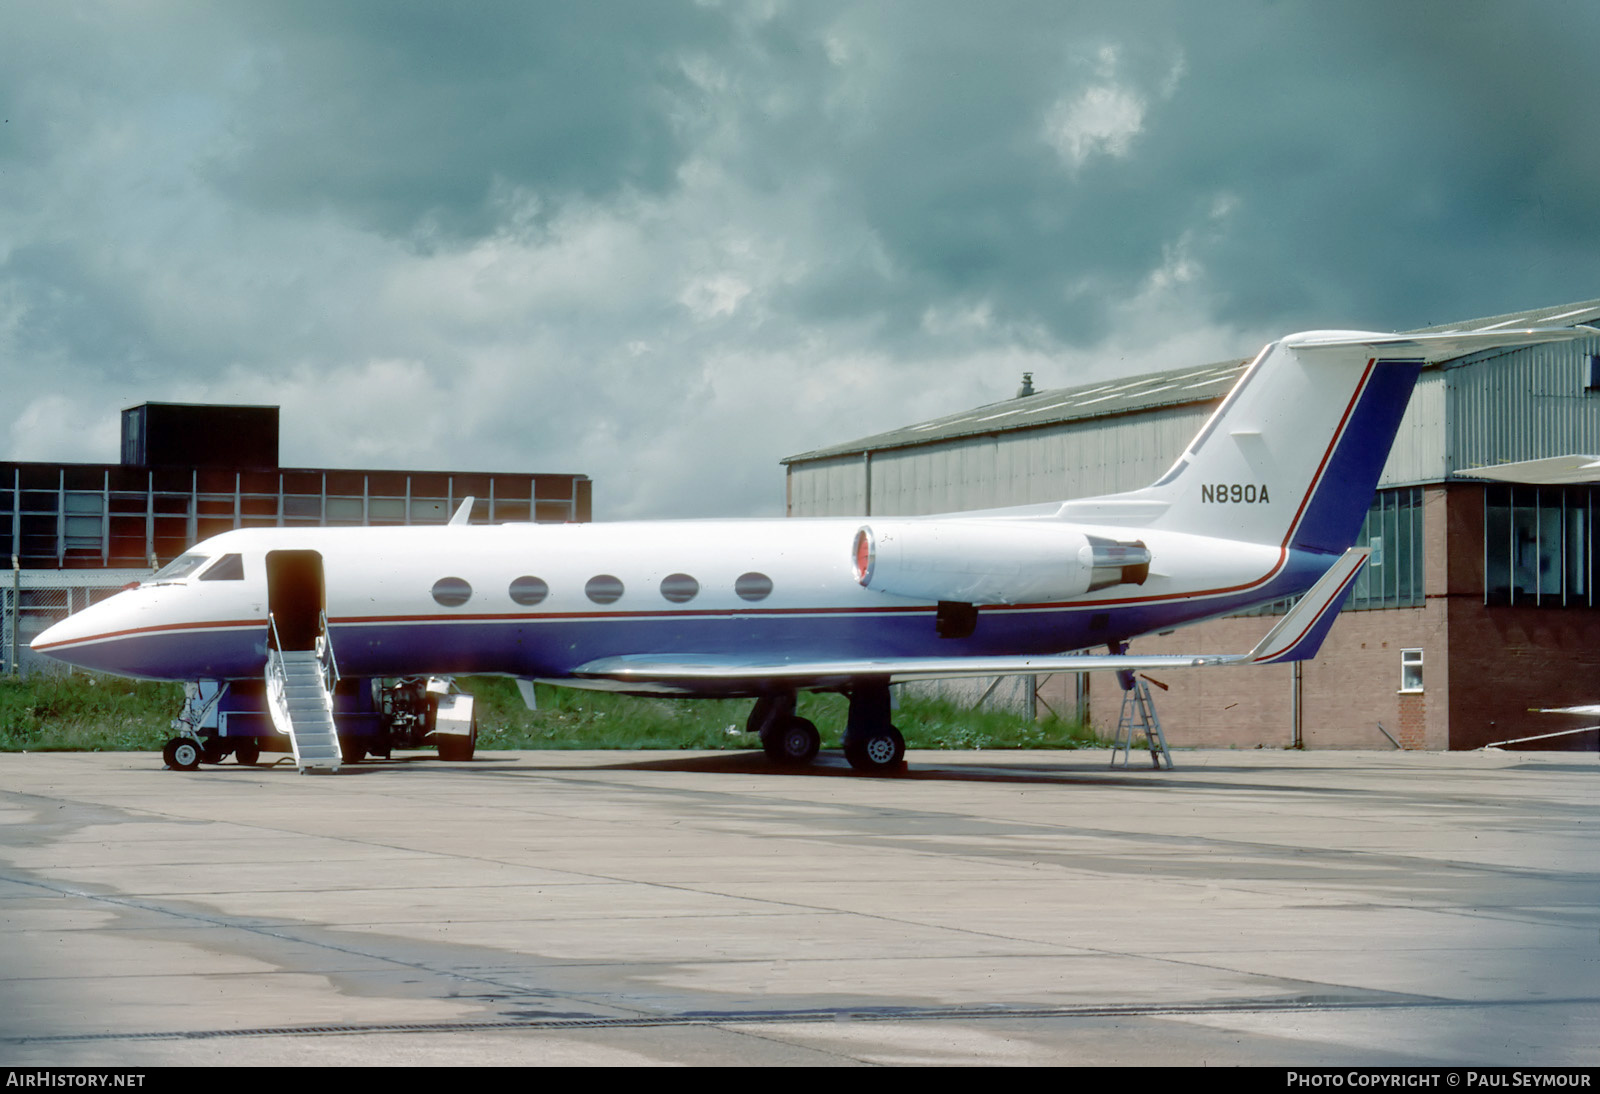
x=79 y=638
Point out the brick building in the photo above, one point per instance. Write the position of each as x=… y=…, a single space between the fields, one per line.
x=75 y=532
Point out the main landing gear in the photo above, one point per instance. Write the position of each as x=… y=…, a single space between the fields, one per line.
x=871 y=744
x=788 y=739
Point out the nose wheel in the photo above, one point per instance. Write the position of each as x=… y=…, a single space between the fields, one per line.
x=182 y=753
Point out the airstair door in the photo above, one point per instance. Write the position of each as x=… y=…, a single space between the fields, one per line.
x=301 y=672
x=295 y=597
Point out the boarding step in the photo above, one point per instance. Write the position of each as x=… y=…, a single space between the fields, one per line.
x=302 y=707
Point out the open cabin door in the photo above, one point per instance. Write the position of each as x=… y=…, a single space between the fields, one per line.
x=301 y=672
x=295 y=597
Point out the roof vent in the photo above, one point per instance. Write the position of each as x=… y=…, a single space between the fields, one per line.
x=1027 y=386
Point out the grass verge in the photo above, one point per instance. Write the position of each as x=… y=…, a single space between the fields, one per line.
x=57 y=712
x=87 y=713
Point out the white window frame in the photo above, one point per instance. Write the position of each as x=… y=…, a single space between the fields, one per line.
x=1411 y=659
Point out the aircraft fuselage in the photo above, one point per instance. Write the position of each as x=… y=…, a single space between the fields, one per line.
x=784 y=588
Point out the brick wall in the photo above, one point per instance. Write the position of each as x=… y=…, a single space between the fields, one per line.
x=1508 y=659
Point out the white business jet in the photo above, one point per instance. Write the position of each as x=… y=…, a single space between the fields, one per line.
x=1263 y=504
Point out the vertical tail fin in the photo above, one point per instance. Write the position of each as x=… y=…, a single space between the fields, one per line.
x=1292 y=456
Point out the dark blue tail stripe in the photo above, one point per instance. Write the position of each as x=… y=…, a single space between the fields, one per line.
x=1339 y=504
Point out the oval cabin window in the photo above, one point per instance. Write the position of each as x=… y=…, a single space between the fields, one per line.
x=452 y=592
x=753 y=586
x=529 y=590
x=604 y=589
x=679 y=588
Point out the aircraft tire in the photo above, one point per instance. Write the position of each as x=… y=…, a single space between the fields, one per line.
x=877 y=753
x=794 y=742
x=455 y=749
x=213 y=752
x=181 y=754
x=247 y=754
x=351 y=751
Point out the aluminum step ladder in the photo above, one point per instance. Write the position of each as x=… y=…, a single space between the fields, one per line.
x=1138 y=717
x=300 y=698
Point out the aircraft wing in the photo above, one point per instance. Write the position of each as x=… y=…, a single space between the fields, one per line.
x=1295 y=637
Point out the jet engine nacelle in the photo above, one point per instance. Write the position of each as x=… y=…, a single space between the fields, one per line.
x=992 y=562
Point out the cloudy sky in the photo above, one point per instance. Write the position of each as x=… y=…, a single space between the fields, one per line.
x=667 y=244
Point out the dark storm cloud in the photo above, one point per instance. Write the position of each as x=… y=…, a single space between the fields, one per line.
x=668 y=243
x=407 y=116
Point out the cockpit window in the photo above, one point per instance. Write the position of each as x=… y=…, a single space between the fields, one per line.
x=180 y=567
x=227 y=568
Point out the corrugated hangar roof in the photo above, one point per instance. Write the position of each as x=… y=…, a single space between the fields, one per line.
x=1172 y=387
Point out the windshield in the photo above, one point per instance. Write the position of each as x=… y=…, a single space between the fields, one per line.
x=227 y=568
x=180 y=567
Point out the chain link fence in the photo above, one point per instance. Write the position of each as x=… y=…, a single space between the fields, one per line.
x=1025 y=695
x=33 y=600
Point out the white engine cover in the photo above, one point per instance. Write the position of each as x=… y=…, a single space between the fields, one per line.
x=992 y=561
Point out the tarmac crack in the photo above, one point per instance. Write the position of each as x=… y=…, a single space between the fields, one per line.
x=817 y=1016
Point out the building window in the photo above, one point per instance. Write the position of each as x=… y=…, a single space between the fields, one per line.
x=1392 y=577
x=1537 y=546
x=1411 y=670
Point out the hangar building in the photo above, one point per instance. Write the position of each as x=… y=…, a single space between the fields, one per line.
x=76 y=532
x=1477 y=604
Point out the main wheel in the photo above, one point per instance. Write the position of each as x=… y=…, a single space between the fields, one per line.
x=792 y=743
x=247 y=753
x=181 y=754
x=878 y=752
x=459 y=749
x=351 y=750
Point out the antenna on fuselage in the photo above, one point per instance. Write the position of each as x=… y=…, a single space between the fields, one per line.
x=463 y=512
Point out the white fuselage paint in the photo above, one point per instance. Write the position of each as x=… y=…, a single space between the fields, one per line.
x=379 y=583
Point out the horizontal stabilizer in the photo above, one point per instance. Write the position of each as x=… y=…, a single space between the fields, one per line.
x=1438 y=346
x=1553 y=469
